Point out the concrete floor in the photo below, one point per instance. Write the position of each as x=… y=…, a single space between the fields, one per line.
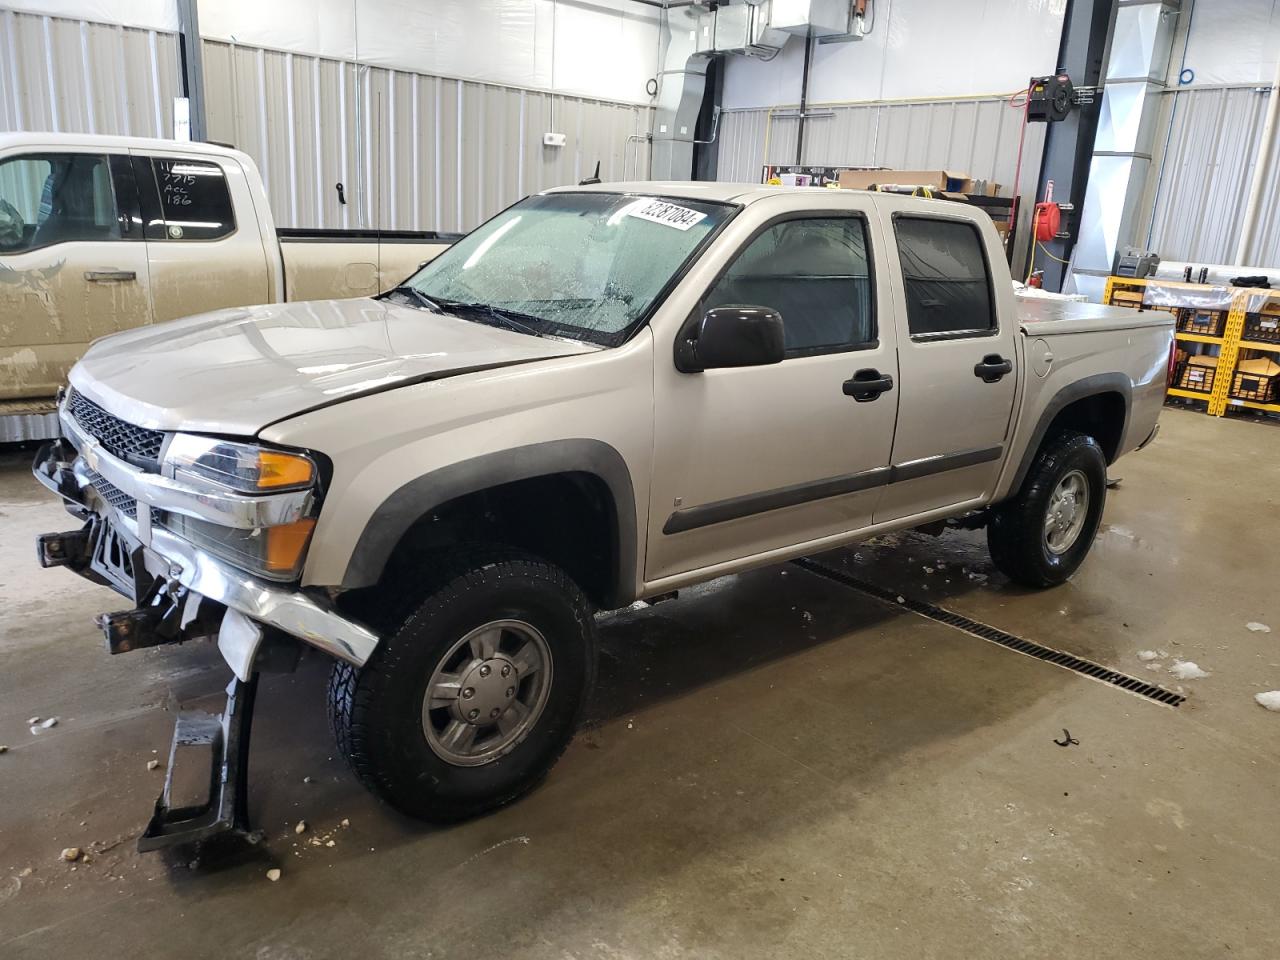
x=775 y=766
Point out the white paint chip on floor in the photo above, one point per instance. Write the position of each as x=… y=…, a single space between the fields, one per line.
x=1270 y=700
x=1187 y=670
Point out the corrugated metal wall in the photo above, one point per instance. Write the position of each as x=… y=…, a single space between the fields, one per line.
x=82 y=77
x=977 y=136
x=1193 y=210
x=974 y=136
x=414 y=152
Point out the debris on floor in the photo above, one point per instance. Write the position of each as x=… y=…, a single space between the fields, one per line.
x=72 y=854
x=1187 y=670
x=4 y=748
x=273 y=874
x=152 y=764
x=1270 y=700
x=1257 y=627
x=300 y=827
x=1148 y=655
x=1067 y=739
x=38 y=725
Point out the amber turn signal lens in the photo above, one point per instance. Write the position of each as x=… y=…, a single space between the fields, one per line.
x=286 y=544
x=277 y=470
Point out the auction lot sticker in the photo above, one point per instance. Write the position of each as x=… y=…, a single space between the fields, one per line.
x=668 y=214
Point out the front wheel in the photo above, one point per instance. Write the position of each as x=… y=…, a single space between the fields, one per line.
x=470 y=701
x=1039 y=537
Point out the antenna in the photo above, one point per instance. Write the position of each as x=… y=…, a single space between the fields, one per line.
x=594 y=178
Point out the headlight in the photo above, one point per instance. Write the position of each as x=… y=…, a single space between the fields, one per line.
x=237 y=466
x=273 y=552
x=276 y=552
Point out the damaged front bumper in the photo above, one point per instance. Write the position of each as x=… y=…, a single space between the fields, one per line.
x=133 y=555
x=181 y=592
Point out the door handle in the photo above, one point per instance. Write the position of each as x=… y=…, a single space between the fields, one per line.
x=993 y=368
x=110 y=276
x=867 y=384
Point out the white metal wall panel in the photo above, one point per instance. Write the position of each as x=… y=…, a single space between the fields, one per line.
x=1205 y=168
x=978 y=137
x=74 y=76
x=414 y=152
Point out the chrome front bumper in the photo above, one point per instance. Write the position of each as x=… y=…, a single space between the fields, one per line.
x=67 y=472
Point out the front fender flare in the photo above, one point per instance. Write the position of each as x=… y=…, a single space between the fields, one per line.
x=417 y=498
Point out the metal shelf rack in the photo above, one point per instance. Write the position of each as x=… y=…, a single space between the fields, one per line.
x=1128 y=292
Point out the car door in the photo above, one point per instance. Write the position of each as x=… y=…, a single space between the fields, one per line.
x=756 y=459
x=73 y=266
x=204 y=244
x=957 y=363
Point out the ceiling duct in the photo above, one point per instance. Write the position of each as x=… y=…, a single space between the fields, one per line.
x=1137 y=64
x=694 y=33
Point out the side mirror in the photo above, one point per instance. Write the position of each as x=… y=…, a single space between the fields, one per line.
x=732 y=336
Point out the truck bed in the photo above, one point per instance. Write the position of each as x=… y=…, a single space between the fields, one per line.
x=337 y=264
x=1040 y=318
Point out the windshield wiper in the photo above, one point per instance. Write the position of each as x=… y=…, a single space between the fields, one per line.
x=409 y=290
x=511 y=319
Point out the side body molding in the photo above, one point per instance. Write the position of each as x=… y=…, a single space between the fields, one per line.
x=1079 y=390
x=419 y=497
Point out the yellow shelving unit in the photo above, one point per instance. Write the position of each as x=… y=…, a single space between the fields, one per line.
x=1127 y=292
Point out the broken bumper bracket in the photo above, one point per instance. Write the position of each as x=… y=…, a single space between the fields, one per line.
x=223 y=743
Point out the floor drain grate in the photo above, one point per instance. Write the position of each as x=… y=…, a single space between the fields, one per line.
x=987 y=632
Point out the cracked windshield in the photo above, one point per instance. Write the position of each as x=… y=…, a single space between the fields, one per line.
x=585 y=266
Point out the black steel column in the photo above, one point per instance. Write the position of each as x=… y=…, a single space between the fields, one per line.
x=1068 y=144
x=706 y=151
x=191 y=52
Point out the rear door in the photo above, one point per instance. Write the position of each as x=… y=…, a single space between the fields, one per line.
x=957 y=361
x=73 y=266
x=755 y=459
x=204 y=243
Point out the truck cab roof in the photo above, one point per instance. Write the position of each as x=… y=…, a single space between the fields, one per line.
x=740 y=193
x=83 y=141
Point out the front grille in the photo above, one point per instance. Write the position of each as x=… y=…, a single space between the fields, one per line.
x=113 y=494
x=137 y=445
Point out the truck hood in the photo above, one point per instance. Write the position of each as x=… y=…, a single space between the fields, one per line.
x=235 y=371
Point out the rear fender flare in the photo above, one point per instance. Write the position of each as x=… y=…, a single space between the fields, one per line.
x=1081 y=389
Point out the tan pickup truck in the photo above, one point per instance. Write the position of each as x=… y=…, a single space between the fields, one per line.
x=603 y=394
x=100 y=234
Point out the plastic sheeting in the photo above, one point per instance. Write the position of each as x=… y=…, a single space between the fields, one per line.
x=1201 y=298
x=144 y=14
x=1231 y=41
x=588 y=47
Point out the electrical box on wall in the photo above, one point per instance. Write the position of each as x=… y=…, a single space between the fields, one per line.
x=1049 y=99
x=553 y=139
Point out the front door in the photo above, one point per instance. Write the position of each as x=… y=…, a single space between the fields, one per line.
x=957 y=362
x=754 y=459
x=73 y=264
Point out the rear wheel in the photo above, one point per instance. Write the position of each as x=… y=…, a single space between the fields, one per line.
x=1040 y=537
x=472 y=697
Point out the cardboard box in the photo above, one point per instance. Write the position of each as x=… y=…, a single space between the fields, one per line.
x=1256 y=380
x=1198 y=373
x=940 y=180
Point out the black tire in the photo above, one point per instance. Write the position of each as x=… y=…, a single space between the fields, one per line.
x=377 y=711
x=1016 y=533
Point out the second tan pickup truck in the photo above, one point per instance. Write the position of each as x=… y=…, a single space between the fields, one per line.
x=99 y=234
